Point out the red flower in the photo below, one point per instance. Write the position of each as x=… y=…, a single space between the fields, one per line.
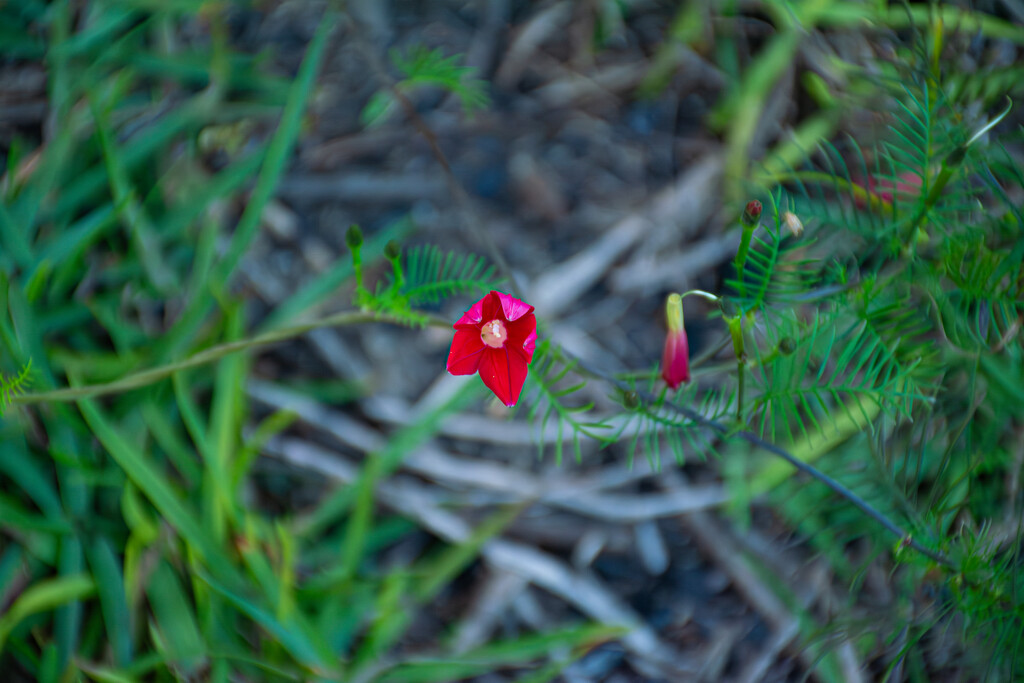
x=884 y=189
x=495 y=337
x=675 y=361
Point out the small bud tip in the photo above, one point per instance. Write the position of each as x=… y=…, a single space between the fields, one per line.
x=752 y=213
x=354 y=237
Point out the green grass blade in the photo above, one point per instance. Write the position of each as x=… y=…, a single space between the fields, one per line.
x=279 y=150
x=518 y=652
x=154 y=486
x=43 y=597
x=166 y=435
x=225 y=418
x=79 y=192
x=175 y=620
x=17 y=464
x=270 y=173
x=110 y=587
x=13 y=239
x=382 y=464
x=294 y=635
x=441 y=570
x=16 y=516
x=132 y=213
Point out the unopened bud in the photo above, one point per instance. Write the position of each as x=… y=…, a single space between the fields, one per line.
x=631 y=400
x=675 y=360
x=787 y=345
x=392 y=250
x=792 y=223
x=674 y=312
x=354 y=237
x=751 y=214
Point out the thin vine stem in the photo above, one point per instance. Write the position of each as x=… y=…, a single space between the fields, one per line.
x=741 y=374
x=146 y=377
x=769 y=447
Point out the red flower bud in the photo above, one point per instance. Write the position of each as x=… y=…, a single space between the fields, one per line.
x=496 y=338
x=675 y=360
x=752 y=214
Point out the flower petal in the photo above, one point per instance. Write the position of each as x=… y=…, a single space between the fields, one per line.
x=474 y=316
x=491 y=306
x=466 y=352
x=675 y=361
x=513 y=308
x=504 y=373
x=529 y=343
x=522 y=336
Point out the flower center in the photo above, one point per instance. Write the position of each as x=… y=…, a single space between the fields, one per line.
x=493 y=334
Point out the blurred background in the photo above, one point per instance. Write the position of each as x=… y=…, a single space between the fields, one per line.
x=180 y=174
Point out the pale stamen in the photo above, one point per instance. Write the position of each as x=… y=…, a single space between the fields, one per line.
x=493 y=334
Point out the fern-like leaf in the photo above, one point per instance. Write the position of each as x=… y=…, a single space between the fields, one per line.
x=903 y=334
x=838 y=365
x=988 y=302
x=432 y=275
x=14 y=385
x=421 y=66
x=883 y=194
x=425 y=66
x=773 y=273
x=546 y=394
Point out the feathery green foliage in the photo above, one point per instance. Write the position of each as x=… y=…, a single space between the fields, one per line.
x=432 y=275
x=549 y=384
x=420 y=67
x=984 y=307
x=652 y=424
x=424 y=274
x=928 y=308
x=775 y=272
x=14 y=385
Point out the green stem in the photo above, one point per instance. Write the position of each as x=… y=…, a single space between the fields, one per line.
x=362 y=295
x=394 y=254
x=741 y=255
x=741 y=369
x=357 y=267
x=214 y=353
x=735 y=324
x=949 y=164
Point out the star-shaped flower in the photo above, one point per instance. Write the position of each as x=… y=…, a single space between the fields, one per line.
x=495 y=338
